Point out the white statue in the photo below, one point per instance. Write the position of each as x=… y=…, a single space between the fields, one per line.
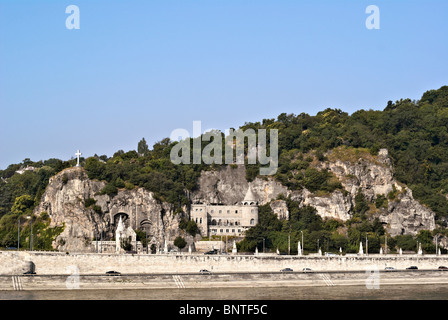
x=420 y=251
x=361 y=251
x=234 y=250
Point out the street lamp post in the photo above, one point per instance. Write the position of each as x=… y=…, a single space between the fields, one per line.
x=289 y=244
x=101 y=237
x=437 y=239
x=367 y=246
x=147 y=244
x=31 y=235
x=18 y=233
x=96 y=238
x=303 y=245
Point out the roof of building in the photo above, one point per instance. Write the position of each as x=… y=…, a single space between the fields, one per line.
x=120 y=227
x=250 y=195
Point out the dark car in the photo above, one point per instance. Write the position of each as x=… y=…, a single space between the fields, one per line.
x=286 y=270
x=212 y=252
x=113 y=273
x=443 y=268
x=29 y=273
x=412 y=268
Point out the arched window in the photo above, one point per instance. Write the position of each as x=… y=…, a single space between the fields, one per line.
x=252 y=222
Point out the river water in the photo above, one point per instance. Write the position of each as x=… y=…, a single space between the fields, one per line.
x=385 y=292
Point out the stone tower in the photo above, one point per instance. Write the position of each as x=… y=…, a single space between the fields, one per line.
x=249 y=209
x=199 y=215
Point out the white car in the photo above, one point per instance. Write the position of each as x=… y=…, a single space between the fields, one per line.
x=204 y=271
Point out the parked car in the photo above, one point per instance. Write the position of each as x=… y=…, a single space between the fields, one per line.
x=306 y=270
x=113 y=273
x=389 y=269
x=286 y=270
x=204 y=271
x=29 y=273
x=443 y=268
x=212 y=252
x=412 y=268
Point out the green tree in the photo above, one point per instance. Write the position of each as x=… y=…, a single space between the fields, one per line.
x=180 y=242
x=406 y=242
x=22 y=204
x=361 y=204
x=192 y=228
x=142 y=147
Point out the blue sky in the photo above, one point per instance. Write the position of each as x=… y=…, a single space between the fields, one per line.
x=144 y=68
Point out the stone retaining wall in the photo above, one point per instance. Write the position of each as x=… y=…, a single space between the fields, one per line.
x=12 y=262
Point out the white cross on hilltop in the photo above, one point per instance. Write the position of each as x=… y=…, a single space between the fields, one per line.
x=78 y=154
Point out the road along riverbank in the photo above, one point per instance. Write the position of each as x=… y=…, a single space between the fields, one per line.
x=369 y=279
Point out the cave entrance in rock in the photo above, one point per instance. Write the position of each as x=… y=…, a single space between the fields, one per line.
x=124 y=218
x=145 y=226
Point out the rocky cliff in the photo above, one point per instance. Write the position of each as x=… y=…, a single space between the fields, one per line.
x=373 y=176
x=65 y=202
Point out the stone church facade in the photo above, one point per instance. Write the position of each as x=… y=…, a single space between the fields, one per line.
x=226 y=220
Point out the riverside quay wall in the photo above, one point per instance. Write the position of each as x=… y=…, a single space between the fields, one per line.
x=54 y=263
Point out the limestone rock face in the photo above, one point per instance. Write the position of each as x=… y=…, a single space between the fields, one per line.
x=229 y=186
x=373 y=176
x=64 y=201
x=335 y=205
x=407 y=216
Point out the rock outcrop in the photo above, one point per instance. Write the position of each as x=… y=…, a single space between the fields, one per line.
x=229 y=185
x=373 y=176
x=64 y=201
